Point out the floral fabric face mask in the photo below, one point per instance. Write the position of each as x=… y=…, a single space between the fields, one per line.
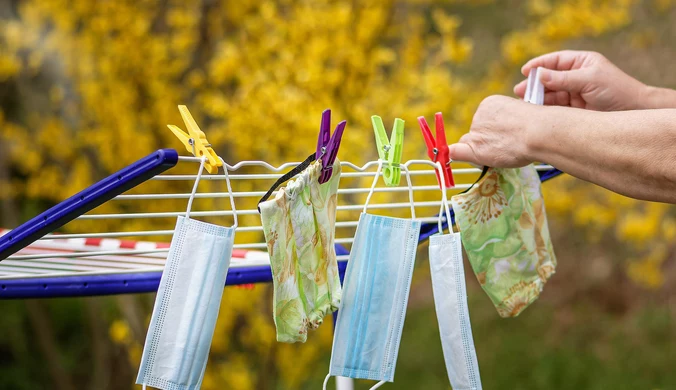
x=504 y=230
x=299 y=227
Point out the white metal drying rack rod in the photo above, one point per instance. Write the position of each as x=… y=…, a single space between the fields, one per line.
x=359 y=172
x=50 y=255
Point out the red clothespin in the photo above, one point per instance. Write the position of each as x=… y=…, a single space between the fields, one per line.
x=327 y=145
x=438 y=151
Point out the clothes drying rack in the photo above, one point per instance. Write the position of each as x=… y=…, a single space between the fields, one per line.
x=109 y=255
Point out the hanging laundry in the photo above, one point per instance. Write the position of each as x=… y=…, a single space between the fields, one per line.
x=376 y=289
x=504 y=230
x=450 y=302
x=299 y=227
x=188 y=300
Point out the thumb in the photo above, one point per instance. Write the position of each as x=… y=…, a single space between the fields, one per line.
x=567 y=80
x=462 y=152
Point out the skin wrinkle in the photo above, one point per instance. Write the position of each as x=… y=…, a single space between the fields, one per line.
x=627 y=160
x=471 y=146
x=586 y=171
x=664 y=172
x=657 y=98
x=631 y=162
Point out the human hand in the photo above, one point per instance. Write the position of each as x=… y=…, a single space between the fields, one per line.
x=584 y=79
x=499 y=135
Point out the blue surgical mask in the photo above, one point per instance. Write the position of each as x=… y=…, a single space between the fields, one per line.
x=450 y=301
x=188 y=299
x=375 y=294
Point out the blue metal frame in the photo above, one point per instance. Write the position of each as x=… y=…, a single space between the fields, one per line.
x=91 y=285
x=109 y=284
x=86 y=200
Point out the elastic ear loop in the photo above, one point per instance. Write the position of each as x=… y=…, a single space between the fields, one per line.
x=375 y=181
x=232 y=195
x=410 y=190
x=444 y=203
x=373 y=185
x=194 y=187
x=326 y=381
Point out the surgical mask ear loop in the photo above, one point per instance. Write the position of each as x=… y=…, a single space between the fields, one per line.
x=444 y=203
x=232 y=195
x=326 y=381
x=373 y=185
x=410 y=190
x=194 y=187
x=375 y=181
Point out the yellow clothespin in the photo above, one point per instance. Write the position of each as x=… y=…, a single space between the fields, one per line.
x=195 y=141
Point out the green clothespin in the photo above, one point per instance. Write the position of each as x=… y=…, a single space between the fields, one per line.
x=391 y=150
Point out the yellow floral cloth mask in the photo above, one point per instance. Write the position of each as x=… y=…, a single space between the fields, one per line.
x=299 y=227
x=503 y=228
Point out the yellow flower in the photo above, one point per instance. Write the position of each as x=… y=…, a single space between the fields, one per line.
x=637 y=227
x=119 y=332
x=647 y=271
x=9 y=66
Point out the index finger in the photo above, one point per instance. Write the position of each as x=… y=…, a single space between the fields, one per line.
x=520 y=89
x=558 y=60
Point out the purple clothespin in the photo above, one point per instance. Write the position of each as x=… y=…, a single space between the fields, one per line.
x=327 y=145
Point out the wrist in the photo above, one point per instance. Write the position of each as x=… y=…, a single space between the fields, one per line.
x=538 y=127
x=656 y=98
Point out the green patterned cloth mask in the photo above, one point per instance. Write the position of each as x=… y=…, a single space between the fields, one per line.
x=503 y=227
x=299 y=227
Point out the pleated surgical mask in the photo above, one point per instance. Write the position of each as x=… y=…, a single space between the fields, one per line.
x=375 y=294
x=187 y=303
x=450 y=302
x=503 y=225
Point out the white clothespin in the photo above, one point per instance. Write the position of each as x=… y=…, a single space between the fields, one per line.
x=535 y=91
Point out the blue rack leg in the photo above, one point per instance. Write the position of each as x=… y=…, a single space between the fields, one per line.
x=86 y=200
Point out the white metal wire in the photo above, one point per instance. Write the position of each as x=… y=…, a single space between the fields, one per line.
x=96 y=249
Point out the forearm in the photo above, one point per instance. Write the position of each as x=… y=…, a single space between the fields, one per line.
x=655 y=98
x=630 y=152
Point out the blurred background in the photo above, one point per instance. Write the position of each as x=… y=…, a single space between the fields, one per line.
x=88 y=86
